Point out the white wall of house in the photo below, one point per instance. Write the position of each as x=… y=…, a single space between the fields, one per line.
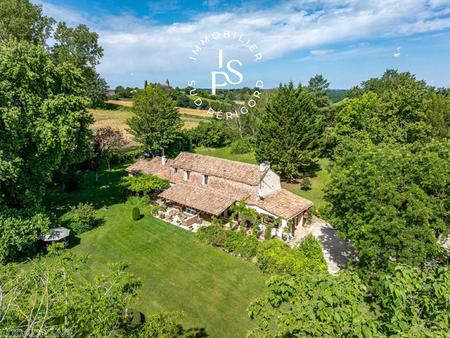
x=269 y=184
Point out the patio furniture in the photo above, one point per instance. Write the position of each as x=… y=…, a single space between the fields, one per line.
x=56 y=235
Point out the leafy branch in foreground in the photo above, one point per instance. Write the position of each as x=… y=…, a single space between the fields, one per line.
x=43 y=299
x=406 y=302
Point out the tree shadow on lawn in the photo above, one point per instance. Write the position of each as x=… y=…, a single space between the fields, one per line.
x=107 y=191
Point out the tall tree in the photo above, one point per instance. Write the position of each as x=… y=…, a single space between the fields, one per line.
x=44 y=126
x=24 y=21
x=391 y=201
x=318 y=86
x=79 y=46
x=156 y=122
x=289 y=132
x=106 y=142
x=401 y=110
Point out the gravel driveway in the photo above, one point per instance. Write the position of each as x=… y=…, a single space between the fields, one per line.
x=336 y=251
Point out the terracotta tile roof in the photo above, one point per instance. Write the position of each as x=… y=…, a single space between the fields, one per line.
x=152 y=167
x=213 y=166
x=199 y=198
x=282 y=203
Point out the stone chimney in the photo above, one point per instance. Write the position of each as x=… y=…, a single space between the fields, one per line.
x=264 y=166
x=163 y=160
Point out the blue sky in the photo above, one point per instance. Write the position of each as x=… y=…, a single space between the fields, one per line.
x=347 y=41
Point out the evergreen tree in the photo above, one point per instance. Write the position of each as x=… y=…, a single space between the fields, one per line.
x=156 y=122
x=318 y=86
x=289 y=133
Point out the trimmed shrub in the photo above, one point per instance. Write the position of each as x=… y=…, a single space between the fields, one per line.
x=305 y=184
x=276 y=257
x=213 y=234
x=273 y=255
x=241 y=244
x=136 y=214
x=312 y=250
x=268 y=232
x=242 y=146
x=80 y=218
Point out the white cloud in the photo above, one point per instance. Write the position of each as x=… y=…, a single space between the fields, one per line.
x=135 y=45
x=397 y=53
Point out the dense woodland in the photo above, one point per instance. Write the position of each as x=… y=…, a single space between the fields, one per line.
x=388 y=145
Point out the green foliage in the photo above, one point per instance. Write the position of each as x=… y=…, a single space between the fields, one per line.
x=390 y=201
x=156 y=122
x=313 y=305
x=135 y=214
x=43 y=125
x=19 y=232
x=62 y=306
x=24 y=21
x=415 y=302
x=143 y=184
x=290 y=131
x=403 y=302
x=395 y=108
x=312 y=250
x=107 y=142
x=305 y=183
x=79 y=47
x=81 y=218
x=242 y=146
x=208 y=134
x=268 y=232
x=240 y=244
x=243 y=214
x=273 y=256
x=276 y=257
x=318 y=86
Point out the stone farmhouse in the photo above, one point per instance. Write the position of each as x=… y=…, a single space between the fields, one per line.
x=209 y=186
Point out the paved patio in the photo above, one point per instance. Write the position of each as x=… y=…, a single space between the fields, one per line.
x=336 y=251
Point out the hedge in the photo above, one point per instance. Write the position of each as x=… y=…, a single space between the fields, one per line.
x=273 y=256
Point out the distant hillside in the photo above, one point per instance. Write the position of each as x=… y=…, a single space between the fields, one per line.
x=337 y=95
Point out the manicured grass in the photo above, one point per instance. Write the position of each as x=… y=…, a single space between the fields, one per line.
x=178 y=273
x=317 y=183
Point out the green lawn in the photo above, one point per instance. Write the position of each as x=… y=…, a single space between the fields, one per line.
x=317 y=183
x=177 y=272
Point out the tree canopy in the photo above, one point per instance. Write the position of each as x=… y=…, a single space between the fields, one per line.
x=24 y=21
x=156 y=123
x=45 y=300
x=44 y=126
x=390 y=200
x=289 y=132
x=406 y=302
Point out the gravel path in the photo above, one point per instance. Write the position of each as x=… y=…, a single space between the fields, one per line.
x=336 y=251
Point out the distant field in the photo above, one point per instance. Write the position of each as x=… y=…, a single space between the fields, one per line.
x=126 y=103
x=183 y=111
x=194 y=112
x=117 y=119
